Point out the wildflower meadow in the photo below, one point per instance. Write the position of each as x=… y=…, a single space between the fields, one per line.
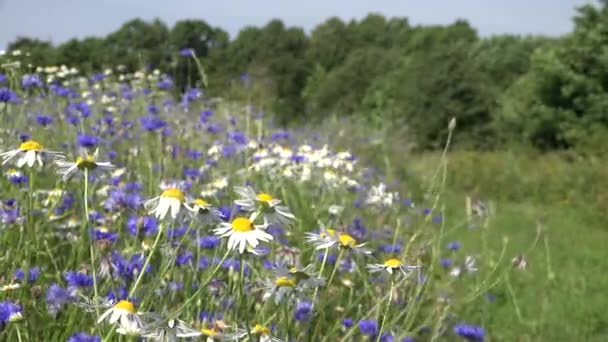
x=131 y=214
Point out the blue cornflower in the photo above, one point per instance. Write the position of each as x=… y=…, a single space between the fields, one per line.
x=57 y=297
x=302 y=311
x=33 y=274
x=145 y=224
x=88 y=141
x=7 y=95
x=17 y=178
x=78 y=279
x=102 y=234
x=386 y=337
x=348 y=322
x=408 y=339
x=44 y=120
x=203 y=262
x=9 y=312
x=96 y=77
x=446 y=262
x=165 y=82
x=84 y=337
x=215 y=128
x=368 y=327
x=469 y=332
x=31 y=81
x=276 y=136
x=208 y=242
x=190 y=172
x=454 y=245
x=19 y=274
x=3 y=78
x=238 y=137
x=205 y=115
x=152 y=123
x=184 y=259
x=186 y=52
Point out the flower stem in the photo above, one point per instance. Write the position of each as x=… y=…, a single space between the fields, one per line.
x=147 y=261
x=388 y=305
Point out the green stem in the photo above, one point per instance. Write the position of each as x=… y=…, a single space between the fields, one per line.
x=147 y=262
x=388 y=305
x=91 y=240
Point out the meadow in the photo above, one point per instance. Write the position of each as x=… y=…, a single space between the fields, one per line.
x=129 y=214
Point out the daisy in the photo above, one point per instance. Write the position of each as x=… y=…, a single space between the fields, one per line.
x=29 y=152
x=203 y=211
x=170 y=330
x=123 y=313
x=392 y=265
x=273 y=211
x=329 y=238
x=291 y=282
x=170 y=200
x=242 y=232
x=86 y=162
x=262 y=331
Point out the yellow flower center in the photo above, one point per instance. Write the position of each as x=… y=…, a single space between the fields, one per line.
x=209 y=332
x=260 y=330
x=347 y=240
x=30 y=145
x=125 y=305
x=174 y=193
x=330 y=233
x=285 y=281
x=392 y=263
x=264 y=197
x=86 y=163
x=242 y=224
x=201 y=202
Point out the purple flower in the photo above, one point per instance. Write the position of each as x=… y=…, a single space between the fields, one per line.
x=57 y=297
x=31 y=81
x=208 y=242
x=368 y=327
x=84 y=337
x=469 y=332
x=347 y=322
x=184 y=259
x=6 y=95
x=100 y=234
x=454 y=245
x=88 y=141
x=8 y=311
x=152 y=123
x=44 y=120
x=78 y=279
x=187 y=52
x=303 y=311
x=33 y=274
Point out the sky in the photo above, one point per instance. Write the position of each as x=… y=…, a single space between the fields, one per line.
x=60 y=20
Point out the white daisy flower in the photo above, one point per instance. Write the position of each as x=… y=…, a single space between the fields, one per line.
x=292 y=282
x=262 y=331
x=331 y=238
x=203 y=211
x=273 y=211
x=242 y=232
x=392 y=265
x=169 y=331
x=123 y=314
x=66 y=169
x=29 y=153
x=170 y=201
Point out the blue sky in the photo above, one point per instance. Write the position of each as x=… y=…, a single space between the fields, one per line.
x=59 y=20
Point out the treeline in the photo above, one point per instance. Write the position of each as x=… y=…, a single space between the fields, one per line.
x=548 y=92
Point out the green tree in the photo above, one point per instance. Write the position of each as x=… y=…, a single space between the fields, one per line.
x=563 y=100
